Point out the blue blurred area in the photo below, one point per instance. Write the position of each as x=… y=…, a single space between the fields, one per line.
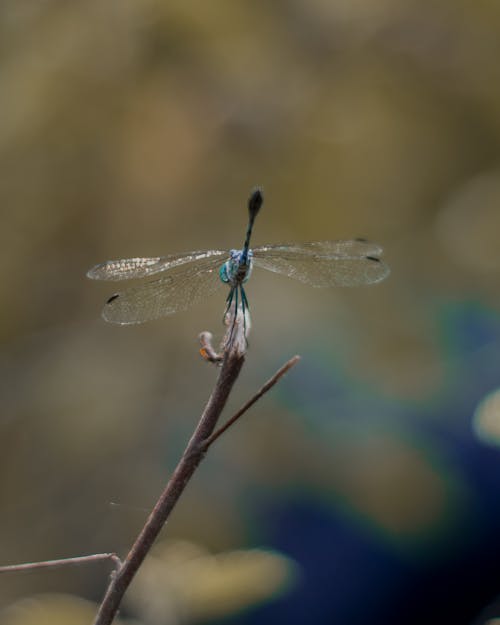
x=350 y=572
x=349 y=577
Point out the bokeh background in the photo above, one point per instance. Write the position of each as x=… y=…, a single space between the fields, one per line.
x=366 y=487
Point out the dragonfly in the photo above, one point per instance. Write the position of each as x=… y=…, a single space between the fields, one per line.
x=184 y=279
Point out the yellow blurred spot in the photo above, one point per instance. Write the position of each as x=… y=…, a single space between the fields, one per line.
x=486 y=420
x=182 y=580
x=52 y=609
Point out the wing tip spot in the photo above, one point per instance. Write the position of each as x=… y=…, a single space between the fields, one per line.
x=374 y=258
x=112 y=298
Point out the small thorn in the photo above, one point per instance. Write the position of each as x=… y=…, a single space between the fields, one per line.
x=207 y=352
x=112 y=298
x=374 y=258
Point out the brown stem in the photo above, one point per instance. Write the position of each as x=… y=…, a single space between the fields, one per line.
x=46 y=564
x=192 y=456
x=201 y=439
x=266 y=387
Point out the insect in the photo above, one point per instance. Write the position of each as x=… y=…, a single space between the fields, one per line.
x=187 y=278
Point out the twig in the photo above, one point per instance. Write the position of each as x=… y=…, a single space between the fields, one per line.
x=266 y=387
x=46 y=564
x=231 y=366
x=232 y=362
x=203 y=436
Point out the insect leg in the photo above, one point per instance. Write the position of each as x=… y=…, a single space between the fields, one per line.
x=229 y=301
x=235 y=315
x=244 y=307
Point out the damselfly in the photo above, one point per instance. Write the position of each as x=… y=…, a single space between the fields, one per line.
x=191 y=277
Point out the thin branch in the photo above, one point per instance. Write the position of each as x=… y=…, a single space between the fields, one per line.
x=234 y=357
x=234 y=348
x=46 y=564
x=266 y=387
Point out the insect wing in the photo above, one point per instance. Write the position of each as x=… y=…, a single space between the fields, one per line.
x=325 y=263
x=349 y=248
x=175 y=291
x=131 y=268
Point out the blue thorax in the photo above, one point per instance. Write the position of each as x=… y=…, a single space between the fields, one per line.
x=237 y=269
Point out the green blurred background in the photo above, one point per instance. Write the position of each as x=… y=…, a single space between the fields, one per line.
x=137 y=128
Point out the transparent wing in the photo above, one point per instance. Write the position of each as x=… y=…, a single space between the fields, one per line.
x=129 y=268
x=176 y=291
x=350 y=248
x=325 y=263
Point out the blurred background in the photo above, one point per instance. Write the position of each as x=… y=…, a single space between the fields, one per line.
x=366 y=487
